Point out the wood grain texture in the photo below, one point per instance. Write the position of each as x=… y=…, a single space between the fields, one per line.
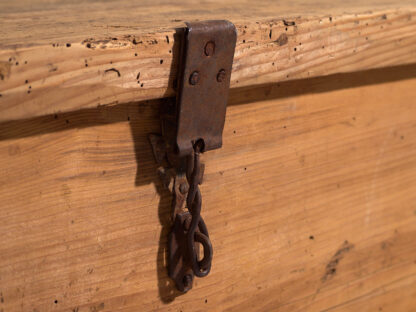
x=310 y=205
x=57 y=56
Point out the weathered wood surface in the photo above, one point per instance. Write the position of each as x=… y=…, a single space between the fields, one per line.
x=57 y=56
x=310 y=204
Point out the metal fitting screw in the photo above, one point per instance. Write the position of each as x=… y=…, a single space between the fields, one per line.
x=209 y=48
x=221 y=75
x=183 y=188
x=194 y=78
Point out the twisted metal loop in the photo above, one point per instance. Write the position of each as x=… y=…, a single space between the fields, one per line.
x=201 y=267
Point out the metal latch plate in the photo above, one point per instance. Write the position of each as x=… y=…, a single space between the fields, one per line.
x=204 y=81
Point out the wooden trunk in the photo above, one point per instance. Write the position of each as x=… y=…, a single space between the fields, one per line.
x=310 y=203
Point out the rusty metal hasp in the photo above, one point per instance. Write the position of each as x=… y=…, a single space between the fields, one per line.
x=191 y=126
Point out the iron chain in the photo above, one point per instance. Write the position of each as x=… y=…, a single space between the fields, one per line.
x=194 y=202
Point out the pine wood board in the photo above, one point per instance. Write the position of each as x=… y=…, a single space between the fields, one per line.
x=310 y=205
x=57 y=56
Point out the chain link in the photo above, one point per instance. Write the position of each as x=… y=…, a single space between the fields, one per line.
x=201 y=267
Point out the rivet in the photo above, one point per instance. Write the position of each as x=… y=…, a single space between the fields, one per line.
x=221 y=75
x=210 y=48
x=194 y=78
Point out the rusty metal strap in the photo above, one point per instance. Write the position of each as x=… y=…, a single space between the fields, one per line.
x=204 y=81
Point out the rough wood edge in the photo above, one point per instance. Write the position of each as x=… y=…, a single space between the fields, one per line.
x=48 y=79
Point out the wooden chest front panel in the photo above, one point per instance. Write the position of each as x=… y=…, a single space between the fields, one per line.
x=310 y=205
